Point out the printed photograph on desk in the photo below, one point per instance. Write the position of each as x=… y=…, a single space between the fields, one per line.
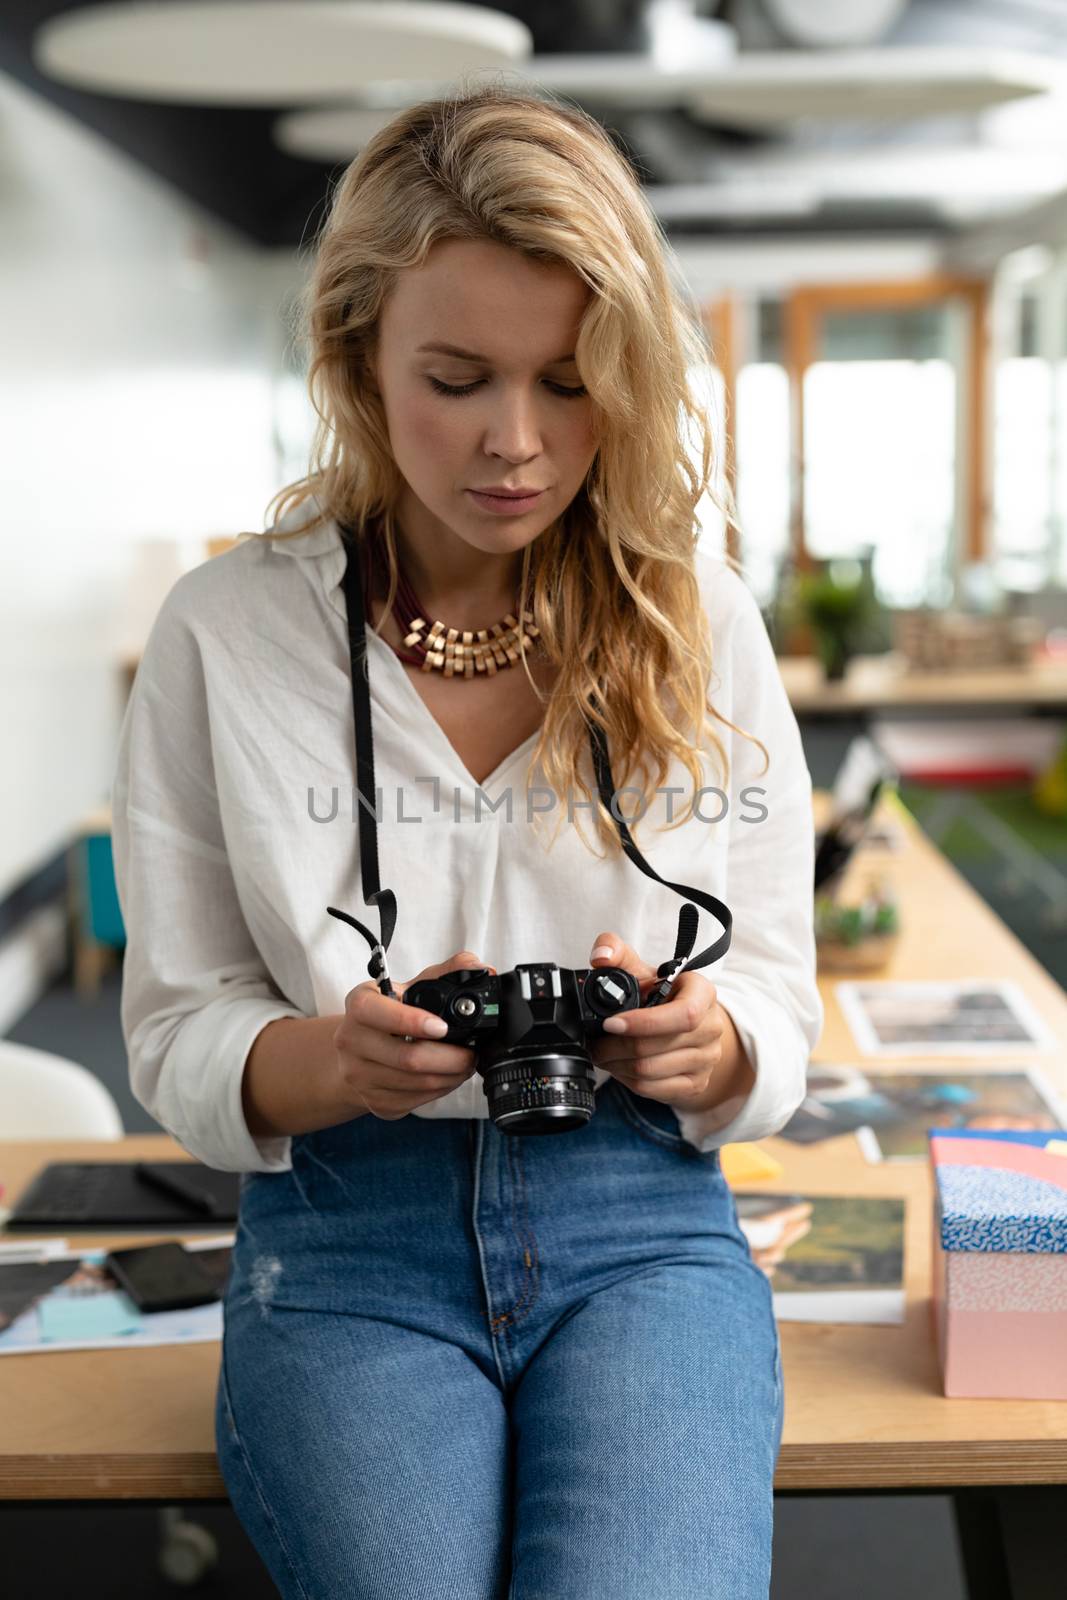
x=71 y=1302
x=829 y=1258
x=979 y=1018
x=23 y=1283
x=839 y=1100
x=890 y=1109
x=905 y=1105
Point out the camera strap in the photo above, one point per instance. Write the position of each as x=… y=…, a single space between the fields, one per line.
x=384 y=900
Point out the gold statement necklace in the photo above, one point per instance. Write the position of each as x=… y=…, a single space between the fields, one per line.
x=456 y=652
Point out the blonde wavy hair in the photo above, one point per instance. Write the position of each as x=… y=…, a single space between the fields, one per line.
x=611 y=584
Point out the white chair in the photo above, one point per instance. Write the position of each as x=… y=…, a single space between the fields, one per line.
x=43 y=1096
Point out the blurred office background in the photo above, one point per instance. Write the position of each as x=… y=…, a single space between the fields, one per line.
x=868 y=202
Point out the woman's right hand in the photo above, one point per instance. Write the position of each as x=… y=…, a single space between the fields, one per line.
x=379 y=1069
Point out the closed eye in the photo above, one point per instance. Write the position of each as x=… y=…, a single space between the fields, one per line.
x=563 y=389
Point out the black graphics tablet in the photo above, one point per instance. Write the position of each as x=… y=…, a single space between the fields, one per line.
x=95 y=1194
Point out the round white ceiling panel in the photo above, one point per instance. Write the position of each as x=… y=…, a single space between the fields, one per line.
x=329 y=133
x=827 y=23
x=271 y=52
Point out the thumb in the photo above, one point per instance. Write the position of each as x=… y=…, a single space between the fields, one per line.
x=462 y=958
x=611 y=951
x=466 y=958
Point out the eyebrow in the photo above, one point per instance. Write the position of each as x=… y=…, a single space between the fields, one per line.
x=471 y=355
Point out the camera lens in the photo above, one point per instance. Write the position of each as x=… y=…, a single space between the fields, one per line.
x=540 y=1090
x=537 y=1072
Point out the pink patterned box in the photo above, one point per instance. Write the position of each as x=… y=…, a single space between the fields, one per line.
x=1000 y=1262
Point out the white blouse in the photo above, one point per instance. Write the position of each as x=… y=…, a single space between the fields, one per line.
x=234 y=828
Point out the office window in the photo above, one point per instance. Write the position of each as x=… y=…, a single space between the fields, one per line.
x=1024 y=406
x=707 y=384
x=880 y=446
x=761 y=437
x=761 y=449
x=1056 y=565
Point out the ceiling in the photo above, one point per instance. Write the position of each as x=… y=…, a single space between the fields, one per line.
x=228 y=159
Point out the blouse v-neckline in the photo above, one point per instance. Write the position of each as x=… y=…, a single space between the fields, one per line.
x=327 y=542
x=395 y=666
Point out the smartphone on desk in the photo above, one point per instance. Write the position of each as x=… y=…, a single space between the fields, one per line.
x=161 y=1277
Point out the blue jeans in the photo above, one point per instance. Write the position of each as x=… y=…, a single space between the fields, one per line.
x=466 y=1365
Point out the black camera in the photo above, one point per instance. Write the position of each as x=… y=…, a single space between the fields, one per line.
x=528 y=1029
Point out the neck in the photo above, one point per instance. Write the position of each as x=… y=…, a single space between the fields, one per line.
x=466 y=588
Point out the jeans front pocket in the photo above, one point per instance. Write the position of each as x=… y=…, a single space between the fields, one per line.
x=657 y=1123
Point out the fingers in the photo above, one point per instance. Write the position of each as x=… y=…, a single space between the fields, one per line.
x=403 y=1040
x=402 y=1036
x=676 y=1092
x=692 y=997
x=402 y=1054
x=369 y=1008
x=372 y=1009
x=422 y=1055
x=678 y=1068
x=609 y=1049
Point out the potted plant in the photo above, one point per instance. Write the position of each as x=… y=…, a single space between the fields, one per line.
x=856 y=935
x=837 y=602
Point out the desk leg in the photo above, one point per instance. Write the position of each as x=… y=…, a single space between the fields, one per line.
x=981 y=1540
x=1011 y=1541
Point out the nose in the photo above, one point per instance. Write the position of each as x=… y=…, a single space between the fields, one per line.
x=514 y=431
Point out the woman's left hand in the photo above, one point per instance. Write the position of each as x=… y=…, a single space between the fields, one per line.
x=670 y=1052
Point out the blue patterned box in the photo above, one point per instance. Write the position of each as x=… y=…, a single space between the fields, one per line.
x=1000 y=1262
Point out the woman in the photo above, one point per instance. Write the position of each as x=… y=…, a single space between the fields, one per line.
x=460 y=1361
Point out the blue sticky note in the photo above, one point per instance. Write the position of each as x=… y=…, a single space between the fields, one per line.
x=106 y=1315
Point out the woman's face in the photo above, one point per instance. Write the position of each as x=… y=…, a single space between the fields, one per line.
x=521 y=418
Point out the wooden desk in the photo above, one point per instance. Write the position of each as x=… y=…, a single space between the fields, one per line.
x=883 y=683
x=864 y=1408
x=107 y=1424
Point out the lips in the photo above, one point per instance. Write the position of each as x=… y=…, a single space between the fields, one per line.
x=505 y=504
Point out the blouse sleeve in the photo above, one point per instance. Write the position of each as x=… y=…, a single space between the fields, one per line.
x=195 y=990
x=766 y=980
